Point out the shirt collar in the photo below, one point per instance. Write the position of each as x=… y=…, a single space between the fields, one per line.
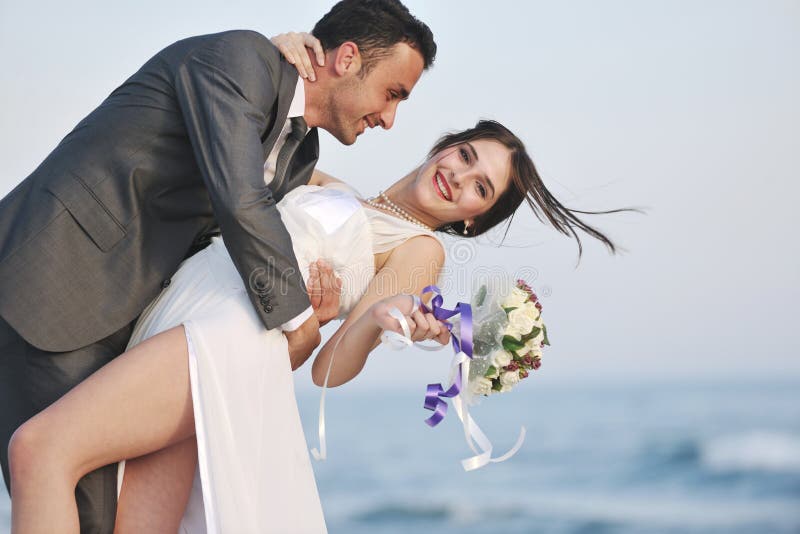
x=298 y=106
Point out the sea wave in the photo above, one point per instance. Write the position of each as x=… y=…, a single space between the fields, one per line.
x=752 y=451
x=382 y=513
x=584 y=513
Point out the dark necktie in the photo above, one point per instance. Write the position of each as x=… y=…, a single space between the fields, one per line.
x=299 y=129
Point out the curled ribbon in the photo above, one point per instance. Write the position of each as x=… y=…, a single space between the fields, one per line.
x=436 y=393
x=321 y=453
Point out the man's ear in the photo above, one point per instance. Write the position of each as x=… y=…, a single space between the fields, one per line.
x=347 y=59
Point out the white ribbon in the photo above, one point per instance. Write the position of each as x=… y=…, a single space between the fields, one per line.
x=476 y=439
x=322 y=453
x=393 y=339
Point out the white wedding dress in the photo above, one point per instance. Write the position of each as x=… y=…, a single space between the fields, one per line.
x=254 y=472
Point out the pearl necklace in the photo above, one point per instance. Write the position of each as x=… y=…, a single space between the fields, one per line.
x=397 y=210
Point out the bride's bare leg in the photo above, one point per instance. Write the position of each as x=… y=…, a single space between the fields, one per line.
x=137 y=404
x=156 y=488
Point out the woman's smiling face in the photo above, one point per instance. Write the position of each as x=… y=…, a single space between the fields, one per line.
x=462 y=181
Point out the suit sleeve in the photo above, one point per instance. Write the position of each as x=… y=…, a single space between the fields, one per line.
x=226 y=92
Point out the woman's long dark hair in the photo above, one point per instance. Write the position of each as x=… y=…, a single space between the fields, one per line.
x=526 y=184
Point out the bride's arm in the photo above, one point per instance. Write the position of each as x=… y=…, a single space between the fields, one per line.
x=297 y=47
x=409 y=269
x=321 y=178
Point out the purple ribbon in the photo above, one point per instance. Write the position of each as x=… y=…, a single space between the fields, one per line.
x=436 y=392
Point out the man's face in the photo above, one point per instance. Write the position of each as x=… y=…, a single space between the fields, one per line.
x=356 y=103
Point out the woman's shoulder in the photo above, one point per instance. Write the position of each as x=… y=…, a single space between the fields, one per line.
x=421 y=249
x=429 y=243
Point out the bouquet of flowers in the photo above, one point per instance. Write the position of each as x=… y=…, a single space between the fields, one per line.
x=498 y=340
x=508 y=338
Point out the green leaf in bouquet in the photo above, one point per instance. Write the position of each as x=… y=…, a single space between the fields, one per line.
x=545 y=340
x=509 y=310
x=532 y=334
x=480 y=296
x=511 y=344
x=496 y=385
x=490 y=372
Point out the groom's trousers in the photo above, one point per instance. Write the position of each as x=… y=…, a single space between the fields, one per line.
x=31 y=380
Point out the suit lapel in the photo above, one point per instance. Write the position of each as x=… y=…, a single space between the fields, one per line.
x=286 y=90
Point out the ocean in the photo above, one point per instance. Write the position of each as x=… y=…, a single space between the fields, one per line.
x=621 y=459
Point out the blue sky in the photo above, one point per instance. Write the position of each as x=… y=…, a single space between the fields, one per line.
x=688 y=109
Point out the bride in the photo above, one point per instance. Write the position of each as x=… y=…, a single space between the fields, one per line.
x=202 y=403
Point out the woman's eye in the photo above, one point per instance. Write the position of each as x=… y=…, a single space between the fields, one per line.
x=481 y=190
x=464 y=154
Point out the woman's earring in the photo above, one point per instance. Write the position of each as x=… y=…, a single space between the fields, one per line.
x=466 y=225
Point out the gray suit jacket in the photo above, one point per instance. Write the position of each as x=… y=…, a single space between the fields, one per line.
x=172 y=156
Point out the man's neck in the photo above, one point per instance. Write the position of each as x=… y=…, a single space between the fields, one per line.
x=310 y=113
x=316 y=92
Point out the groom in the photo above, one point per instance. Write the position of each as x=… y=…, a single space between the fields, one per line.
x=206 y=137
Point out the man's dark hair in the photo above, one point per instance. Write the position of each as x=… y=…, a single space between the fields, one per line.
x=376 y=26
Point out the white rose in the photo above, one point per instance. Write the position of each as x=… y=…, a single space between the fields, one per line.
x=533 y=345
x=512 y=331
x=515 y=299
x=521 y=321
x=500 y=359
x=534 y=312
x=481 y=386
x=509 y=378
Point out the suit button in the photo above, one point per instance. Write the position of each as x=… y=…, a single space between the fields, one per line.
x=268 y=308
x=165 y=284
x=264 y=301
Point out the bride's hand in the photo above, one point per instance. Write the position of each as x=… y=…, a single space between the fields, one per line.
x=293 y=47
x=422 y=325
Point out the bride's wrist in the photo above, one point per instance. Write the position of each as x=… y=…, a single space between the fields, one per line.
x=405 y=303
x=381 y=311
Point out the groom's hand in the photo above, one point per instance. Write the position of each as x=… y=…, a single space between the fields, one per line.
x=324 y=291
x=303 y=341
